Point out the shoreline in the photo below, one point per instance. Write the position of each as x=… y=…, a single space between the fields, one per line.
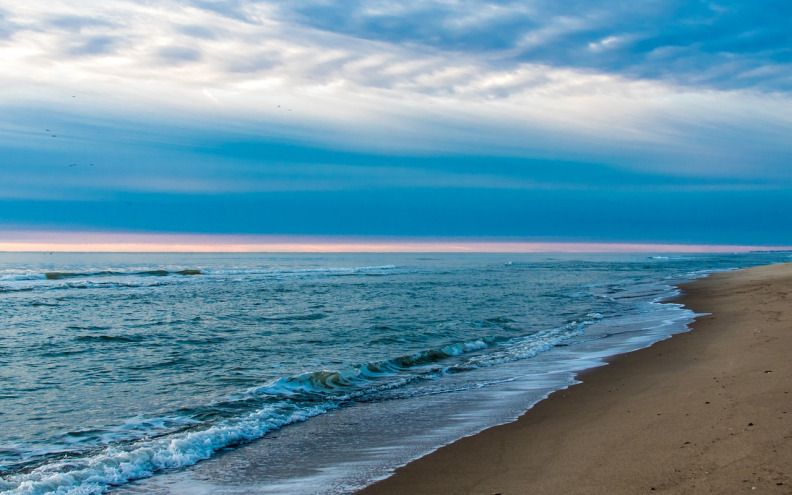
x=705 y=411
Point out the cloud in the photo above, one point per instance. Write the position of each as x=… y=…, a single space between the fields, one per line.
x=673 y=40
x=176 y=55
x=78 y=24
x=656 y=86
x=7 y=28
x=200 y=32
x=438 y=47
x=99 y=45
x=232 y=9
x=363 y=116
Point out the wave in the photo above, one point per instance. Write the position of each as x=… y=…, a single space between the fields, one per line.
x=339 y=270
x=57 y=275
x=111 y=273
x=289 y=318
x=355 y=381
x=107 y=338
x=18 y=277
x=119 y=464
x=201 y=432
x=107 y=279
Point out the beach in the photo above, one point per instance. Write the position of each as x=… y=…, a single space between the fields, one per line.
x=250 y=374
x=707 y=411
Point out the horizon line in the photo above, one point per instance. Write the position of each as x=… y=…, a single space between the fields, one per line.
x=52 y=241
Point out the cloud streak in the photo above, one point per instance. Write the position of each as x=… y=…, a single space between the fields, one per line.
x=737 y=45
x=342 y=56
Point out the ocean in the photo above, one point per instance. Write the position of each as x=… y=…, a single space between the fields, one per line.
x=299 y=373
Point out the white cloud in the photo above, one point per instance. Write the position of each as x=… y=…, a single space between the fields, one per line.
x=254 y=71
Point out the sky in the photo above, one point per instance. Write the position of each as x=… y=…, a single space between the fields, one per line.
x=604 y=121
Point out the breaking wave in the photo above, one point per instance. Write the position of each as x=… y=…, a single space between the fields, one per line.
x=153 y=445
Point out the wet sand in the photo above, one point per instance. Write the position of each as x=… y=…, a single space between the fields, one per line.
x=707 y=411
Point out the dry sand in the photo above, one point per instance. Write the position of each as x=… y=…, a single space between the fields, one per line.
x=708 y=411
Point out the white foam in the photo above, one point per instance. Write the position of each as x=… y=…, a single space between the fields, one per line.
x=117 y=465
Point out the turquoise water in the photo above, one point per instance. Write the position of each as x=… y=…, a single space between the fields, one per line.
x=116 y=368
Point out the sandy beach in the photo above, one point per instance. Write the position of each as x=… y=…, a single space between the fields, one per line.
x=708 y=411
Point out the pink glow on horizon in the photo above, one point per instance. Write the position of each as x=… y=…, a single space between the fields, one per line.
x=129 y=242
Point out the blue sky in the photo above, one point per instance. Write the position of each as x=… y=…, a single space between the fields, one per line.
x=606 y=121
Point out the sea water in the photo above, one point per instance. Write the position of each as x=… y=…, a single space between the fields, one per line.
x=253 y=373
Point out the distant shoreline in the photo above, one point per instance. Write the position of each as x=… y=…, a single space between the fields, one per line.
x=705 y=411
